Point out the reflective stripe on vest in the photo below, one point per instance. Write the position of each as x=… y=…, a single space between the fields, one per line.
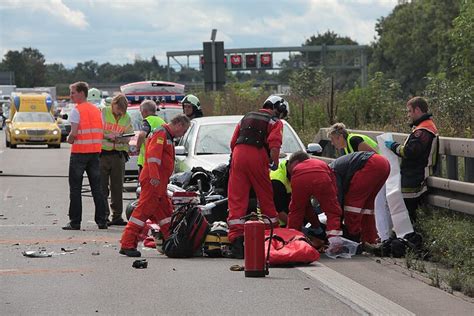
x=89 y=134
x=369 y=141
x=155 y=122
x=281 y=175
x=112 y=126
x=429 y=126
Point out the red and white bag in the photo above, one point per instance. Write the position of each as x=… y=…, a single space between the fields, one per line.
x=290 y=246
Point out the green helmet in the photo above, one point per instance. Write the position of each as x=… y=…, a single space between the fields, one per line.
x=93 y=94
x=193 y=100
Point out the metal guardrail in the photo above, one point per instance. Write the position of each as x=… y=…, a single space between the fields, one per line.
x=445 y=192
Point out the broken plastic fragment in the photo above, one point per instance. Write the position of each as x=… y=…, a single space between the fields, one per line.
x=36 y=254
x=68 y=249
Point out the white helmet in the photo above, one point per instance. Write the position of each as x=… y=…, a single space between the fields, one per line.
x=279 y=104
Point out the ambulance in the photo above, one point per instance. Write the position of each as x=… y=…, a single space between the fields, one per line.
x=31 y=121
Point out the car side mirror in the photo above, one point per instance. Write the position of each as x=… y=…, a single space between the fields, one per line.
x=314 y=149
x=180 y=151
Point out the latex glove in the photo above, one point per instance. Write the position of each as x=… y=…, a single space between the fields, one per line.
x=154 y=182
x=389 y=143
x=273 y=166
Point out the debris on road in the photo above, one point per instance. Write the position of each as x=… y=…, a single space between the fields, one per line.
x=36 y=254
x=140 y=264
x=68 y=249
x=236 y=267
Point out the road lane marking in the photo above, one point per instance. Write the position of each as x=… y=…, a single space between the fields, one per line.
x=352 y=292
x=40 y=271
x=59 y=241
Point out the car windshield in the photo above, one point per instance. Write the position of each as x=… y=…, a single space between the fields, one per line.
x=290 y=142
x=214 y=139
x=45 y=117
x=137 y=119
x=168 y=113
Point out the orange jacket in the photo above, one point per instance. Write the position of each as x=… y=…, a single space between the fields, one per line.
x=90 y=134
x=159 y=157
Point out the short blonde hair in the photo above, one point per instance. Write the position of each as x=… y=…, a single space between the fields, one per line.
x=121 y=101
x=338 y=129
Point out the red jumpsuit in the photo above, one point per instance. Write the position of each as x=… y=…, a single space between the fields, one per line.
x=359 y=199
x=250 y=169
x=313 y=177
x=154 y=203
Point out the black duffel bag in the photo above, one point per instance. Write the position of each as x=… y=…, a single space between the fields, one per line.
x=188 y=229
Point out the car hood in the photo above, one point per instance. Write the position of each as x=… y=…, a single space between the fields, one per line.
x=209 y=162
x=38 y=125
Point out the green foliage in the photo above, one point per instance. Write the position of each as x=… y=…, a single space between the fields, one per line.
x=462 y=39
x=413 y=41
x=28 y=65
x=308 y=82
x=451 y=102
x=236 y=98
x=378 y=105
x=449 y=238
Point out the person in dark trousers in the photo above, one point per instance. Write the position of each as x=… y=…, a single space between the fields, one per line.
x=419 y=154
x=86 y=139
x=114 y=155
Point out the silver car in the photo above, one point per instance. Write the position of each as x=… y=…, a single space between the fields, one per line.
x=206 y=144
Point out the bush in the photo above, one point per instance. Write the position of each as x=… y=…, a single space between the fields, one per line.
x=449 y=240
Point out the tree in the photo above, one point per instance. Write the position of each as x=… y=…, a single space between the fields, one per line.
x=324 y=59
x=462 y=40
x=413 y=41
x=28 y=65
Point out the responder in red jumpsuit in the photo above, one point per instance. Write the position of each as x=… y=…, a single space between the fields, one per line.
x=360 y=176
x=313 y=177
x=158 y=166
x=255 y=146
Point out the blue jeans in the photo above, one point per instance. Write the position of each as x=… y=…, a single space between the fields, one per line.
x=78 y=163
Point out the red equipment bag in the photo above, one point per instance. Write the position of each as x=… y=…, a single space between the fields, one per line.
x=290 y=246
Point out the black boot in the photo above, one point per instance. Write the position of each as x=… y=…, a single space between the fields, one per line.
x=237 y=248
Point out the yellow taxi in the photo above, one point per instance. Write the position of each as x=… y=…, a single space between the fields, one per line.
x=31 y=122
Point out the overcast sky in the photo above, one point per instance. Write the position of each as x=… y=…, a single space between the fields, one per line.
x=119 y=31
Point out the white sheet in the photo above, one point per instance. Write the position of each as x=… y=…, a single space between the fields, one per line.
x=398 y=211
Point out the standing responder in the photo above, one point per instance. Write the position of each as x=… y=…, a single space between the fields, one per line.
x=255 y=146
x=360 y=176
x=114 y=155
x=419 y=154
x=158 y=166
x=192 y=106
x=86 y=138
x=150 y=122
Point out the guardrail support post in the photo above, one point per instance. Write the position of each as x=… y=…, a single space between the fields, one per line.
x=469 y=169
x=452 y=167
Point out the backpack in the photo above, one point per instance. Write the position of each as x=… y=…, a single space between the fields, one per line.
x=217 y=243
x=188 y=229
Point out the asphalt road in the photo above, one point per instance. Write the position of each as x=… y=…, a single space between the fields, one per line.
x=95 y=279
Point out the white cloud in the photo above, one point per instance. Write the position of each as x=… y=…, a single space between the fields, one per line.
x=55 y=8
